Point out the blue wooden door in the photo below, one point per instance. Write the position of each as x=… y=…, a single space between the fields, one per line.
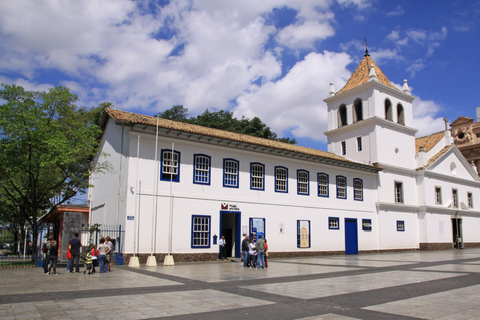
x=351 y=236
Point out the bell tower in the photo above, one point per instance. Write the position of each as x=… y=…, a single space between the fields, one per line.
x=370 y=120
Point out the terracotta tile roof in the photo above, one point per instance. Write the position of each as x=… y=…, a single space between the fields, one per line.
x=132 y=118
x=361 y=75
x=428 y=142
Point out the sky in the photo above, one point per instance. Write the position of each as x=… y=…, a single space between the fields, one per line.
x=273 y=59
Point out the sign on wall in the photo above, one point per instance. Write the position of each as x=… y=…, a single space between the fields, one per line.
x=229 y=207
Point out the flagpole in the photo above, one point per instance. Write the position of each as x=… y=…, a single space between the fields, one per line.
x=152 y=261
x=134 y=260
x=169 y=258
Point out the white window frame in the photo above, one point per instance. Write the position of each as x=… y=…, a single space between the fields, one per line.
x=303 y=178
x=341 y=187
x=323 y=185
x=201 y=174
x=281 y=179
x=200 y=231
x=230 y=173
x=170 y=165
x=257 y=176
x=357 y=189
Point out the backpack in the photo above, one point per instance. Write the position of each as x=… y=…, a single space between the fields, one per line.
x=44 y=248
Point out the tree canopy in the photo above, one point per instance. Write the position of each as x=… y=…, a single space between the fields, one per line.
x=224 y=120
x=47 y=144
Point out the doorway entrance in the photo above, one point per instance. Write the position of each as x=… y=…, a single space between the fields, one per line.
x=457 y=232
x=230 y=228
x=351 y=236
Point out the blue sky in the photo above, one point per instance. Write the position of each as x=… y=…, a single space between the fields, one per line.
x=272 y=59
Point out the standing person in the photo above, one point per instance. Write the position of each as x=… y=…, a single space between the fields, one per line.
x=94 y=254
x=251 y=254
x=69 y=258
x=46 y=256
x=266 y=253
x=222 y=243
x=75 y=246
x=245 y=250
x=260 y=247
x=109 y=243
x=103 y=250
x=53 y=255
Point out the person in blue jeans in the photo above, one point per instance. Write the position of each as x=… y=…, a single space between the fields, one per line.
x=245 y=250
x=260 y=247
x=103 y=250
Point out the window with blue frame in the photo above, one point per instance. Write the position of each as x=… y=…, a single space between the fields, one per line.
x=400 y=225
x=323 y=185
x=302 y=182
x=358 y=189
x=341 y=187
x=367 y=224
x=230 y=173
x=170 y=166
x=281 y=176
x=201 y=170
x=257 y=176
x=333 y=223
x=200 y=231
x=303 y=234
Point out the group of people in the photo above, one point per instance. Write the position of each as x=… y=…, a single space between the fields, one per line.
x=255 y=254
x=101 y=256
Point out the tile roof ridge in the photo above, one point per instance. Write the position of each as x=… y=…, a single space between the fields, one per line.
x=361 y=75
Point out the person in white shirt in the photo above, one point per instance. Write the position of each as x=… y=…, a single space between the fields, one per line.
x=222 y=243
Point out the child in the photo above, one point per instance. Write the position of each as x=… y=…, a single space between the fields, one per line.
x=88 y=263
x=94 y=253
x=53 y=255
x=69 y=258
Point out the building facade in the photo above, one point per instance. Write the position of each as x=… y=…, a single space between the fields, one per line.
x=177 y=188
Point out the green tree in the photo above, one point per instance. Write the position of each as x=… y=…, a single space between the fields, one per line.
x=224 y=120
x=47 y=144
x=176 y=113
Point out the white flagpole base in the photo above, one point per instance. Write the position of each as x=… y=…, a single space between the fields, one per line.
x=151 y=261
x=168 y=260
x=134 y=263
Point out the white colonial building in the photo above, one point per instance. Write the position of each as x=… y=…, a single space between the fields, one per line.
x=176 y=188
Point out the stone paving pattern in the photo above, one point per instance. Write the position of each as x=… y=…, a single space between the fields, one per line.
x=409 y=285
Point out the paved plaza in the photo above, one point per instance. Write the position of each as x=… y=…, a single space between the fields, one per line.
x=410 y=285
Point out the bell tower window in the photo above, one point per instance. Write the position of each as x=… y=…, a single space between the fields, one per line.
x=400 y=114
x=342 y=116
x=388 y=110
x=357 y=110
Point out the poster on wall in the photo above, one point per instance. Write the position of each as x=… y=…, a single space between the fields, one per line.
x=304 y=233
x=258 y=228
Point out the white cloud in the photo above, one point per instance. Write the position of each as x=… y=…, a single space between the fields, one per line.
x=304 y=35
x=418 y=65
x=397 y=12
x=295 y=103
x=425 y=117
